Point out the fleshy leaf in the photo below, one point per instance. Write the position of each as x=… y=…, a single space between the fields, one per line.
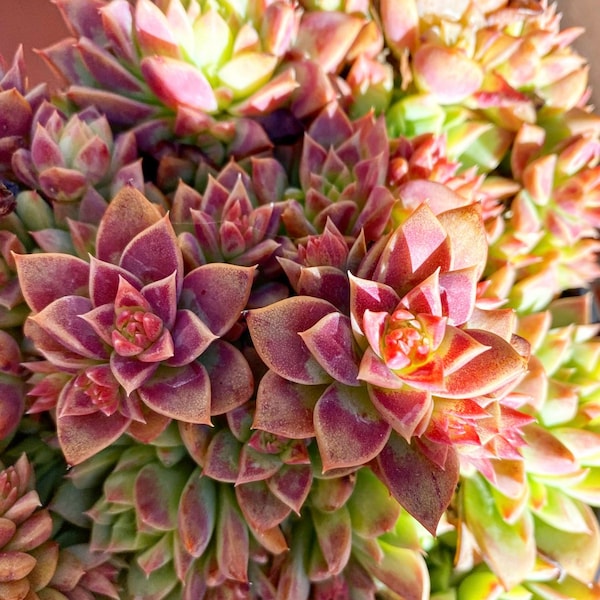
x=48 y=276
x=331 y=342
x=179 y=393
x=423 y=488
x=349 y=431
x=509 y=549
x=84 y=436
x=217 y=293
x=285 y=408
x=275 y=332
x=128 y=214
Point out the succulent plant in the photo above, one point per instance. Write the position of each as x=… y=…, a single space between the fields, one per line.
x=18 y=104
x=510 y=63
x=129 y=331
x=295 y=303
x=32 y=564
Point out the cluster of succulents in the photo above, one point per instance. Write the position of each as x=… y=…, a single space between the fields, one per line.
x=297 y=303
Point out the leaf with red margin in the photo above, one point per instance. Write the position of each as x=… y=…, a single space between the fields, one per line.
x=369 y=295
x=486 y=372
x=286 y=408
x=84 y=436
x=331 y=342
x=232 y=547
x=404 y=409
x=262 y=509
x=217 y=293
x=104 y=281
x=48 y=276
x=61 y=321
x=414 y=251
x=140 y=255
x=275 y=332
x=349 y=430
x=197 y=513
x=292 y=484
x=334 y=534
x=180 y=393
x=128 y=214
x=423 y=488
x=231 y=379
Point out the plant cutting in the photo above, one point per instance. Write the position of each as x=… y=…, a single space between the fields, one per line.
x=297 y=303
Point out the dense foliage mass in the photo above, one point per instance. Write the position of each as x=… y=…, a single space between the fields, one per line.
x=296 y=303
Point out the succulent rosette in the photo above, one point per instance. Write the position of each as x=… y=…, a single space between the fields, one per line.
x=509 y=64
x=549 y=240
x=237 y=219
x=32 y=564
x=342 y=174
x=18 y=104
x=366 y=383
x=129 y=331
x=67 y=157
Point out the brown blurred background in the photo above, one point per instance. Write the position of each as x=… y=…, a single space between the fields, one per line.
x=37 y=24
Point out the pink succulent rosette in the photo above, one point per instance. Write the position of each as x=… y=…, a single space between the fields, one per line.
x=410 y=371
x=139 y=339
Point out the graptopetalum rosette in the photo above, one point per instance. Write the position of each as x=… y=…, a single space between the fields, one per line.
x=411 y=365
x=129 y=330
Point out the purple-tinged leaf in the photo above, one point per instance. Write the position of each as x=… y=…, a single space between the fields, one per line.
x=104 y=281
x=130 y=372
x=232 y=552
x=46 y=277
x=349 y=430
x=191 y=337
x=156 y=495
x=84 y=436
x=102 y=321
x=260 y=507
x=162 y=296
x=328 y=283
x=217 y=293
x=197 y=514
x=139 y=256
x=405 y=409
x=334 y=534
x=369 y=295
x=458 y=293
x=119 y=109
x=222 y=457
x=331 y=342
x=423 y=488
x=275 y=332
x=292 y=484
x=107 y=71
x=127 y=215
x=64 y=185
x=286 y=408
x=60 y=319
x=256 y=466
x=45 y=152
x=180 y=393
x=231 y=379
